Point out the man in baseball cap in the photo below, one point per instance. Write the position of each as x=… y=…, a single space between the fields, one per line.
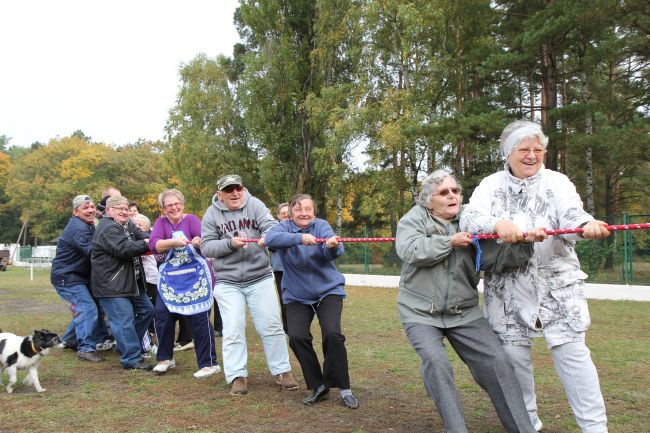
x=70 y=277
x=243 y=276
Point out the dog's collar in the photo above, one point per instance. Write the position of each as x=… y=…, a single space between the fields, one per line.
x=34 y=348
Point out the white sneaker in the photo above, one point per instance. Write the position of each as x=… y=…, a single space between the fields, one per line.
x=207 y=371
x=538 y=425
x=163 y=366
x=106 y=345
x=179 y=348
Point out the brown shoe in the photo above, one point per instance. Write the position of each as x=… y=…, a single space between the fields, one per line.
x=239 y=386
x=286 y=381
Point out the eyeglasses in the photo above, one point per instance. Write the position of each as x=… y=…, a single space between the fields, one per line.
x=172 y=205
x=445 y=192
x=230 y=188
x=120 y=209
x=526 y=151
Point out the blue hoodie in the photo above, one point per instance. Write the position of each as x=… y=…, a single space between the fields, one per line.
x=309 y=271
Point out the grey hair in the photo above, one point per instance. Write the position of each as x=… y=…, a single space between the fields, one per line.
x=279 y=207
x=116 y=200
x=523 y=129
x=431 y=182
x=143 y=218
x=170 y=193
x=297 y=199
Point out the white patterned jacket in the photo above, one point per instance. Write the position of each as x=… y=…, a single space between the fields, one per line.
x=547 y=293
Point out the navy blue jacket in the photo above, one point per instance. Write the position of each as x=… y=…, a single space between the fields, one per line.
x=71 y=265
x=309 y=271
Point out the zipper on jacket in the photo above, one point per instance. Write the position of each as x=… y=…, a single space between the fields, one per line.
x=451 y=262
x=117 y=273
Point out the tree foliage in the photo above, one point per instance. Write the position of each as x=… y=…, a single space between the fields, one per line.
x=43 y=182
x=410 y=85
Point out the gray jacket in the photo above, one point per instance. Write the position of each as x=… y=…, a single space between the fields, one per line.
x=242 y=266
x=438 y=284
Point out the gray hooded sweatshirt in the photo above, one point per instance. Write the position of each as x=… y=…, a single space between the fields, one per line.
x=243 y=266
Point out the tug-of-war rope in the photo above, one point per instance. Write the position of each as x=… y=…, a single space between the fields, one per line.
x=613 y=228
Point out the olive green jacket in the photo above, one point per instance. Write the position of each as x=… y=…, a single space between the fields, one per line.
x=438 y=283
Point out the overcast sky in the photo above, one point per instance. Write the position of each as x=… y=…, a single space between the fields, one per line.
x=109 y=68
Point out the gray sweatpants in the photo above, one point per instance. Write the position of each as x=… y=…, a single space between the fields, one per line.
x=478 y=347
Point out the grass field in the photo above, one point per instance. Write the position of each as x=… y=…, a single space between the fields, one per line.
x=85 y=397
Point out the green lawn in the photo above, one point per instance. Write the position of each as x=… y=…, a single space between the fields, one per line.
x=85 y=397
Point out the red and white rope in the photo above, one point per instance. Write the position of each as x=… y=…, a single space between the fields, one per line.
x=613 y=228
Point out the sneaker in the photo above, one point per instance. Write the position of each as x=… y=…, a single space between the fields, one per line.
x=163 y=366
x=286 y=381
x=106 y=345
x=181 y=347
x=350 y=401
x=239 y=386
x=538 y=425
x=90 y=356
x=207 y=371
x=153 y=350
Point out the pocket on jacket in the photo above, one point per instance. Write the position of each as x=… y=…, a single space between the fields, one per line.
x=416 y=301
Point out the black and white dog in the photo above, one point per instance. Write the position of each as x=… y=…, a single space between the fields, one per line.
x=24 y=353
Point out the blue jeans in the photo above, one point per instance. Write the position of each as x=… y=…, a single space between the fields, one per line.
x=100 y=333
x=262 y=301
x=84 y=316
x=129 y=318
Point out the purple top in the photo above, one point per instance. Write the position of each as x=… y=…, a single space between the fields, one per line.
x=163 y=228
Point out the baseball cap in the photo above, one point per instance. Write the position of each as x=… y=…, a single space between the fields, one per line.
x=79 y=200
x=229 y=179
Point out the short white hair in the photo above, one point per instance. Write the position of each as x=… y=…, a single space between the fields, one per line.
x=142 y=218
x=116 y=200
x=517 y=131
x=431 y=182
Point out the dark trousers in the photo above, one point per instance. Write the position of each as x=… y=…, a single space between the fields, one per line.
x=478 y=347
x=152 y=293
x=335 y=364
x=277 y=275
x=202 y=332
x=184 y=329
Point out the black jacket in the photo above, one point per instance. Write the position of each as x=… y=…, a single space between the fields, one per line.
x=116 y=252
x=71 y=266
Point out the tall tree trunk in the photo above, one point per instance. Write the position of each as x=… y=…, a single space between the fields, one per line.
x=549 y=85
x=531 y=95
x=589 y=181
x=460 y=143
x=339 y=212
x=589 y=130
